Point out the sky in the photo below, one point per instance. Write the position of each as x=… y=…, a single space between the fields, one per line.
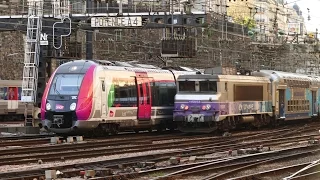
x=314 y=7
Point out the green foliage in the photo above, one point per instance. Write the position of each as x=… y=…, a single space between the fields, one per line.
x=208 y=31
x=250 y=33
x=281 y=32
x=246 y=21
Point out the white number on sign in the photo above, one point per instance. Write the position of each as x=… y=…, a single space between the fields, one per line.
x=116 y=21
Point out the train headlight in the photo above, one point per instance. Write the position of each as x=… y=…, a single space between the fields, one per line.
x=73 y=106
x=48 y=106
x=182 y=106
x=206 y=107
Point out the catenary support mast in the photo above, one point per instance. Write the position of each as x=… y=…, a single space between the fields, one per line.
x=32 y=54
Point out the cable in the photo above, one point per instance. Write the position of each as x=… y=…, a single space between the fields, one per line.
x=201 y=57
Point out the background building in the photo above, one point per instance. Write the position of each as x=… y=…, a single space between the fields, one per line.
x=296 y=25
x=270 y=18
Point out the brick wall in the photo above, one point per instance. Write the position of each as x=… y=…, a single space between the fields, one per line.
x=11 y=55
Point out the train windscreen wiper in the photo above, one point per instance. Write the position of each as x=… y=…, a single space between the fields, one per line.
x=55 y=87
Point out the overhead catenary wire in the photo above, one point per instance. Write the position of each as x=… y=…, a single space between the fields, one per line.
x=150 y=45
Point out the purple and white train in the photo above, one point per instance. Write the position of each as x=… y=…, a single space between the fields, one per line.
x=205 y=103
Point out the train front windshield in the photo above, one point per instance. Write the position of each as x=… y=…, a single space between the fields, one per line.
x=66 y=84
x=204 y=86
x=187 y=86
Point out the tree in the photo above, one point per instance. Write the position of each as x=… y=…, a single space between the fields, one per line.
x=246 y=21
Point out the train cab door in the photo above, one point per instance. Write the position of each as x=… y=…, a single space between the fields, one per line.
x=314 y=101
x=103 y=98
x=282 y=104
x=144 y=97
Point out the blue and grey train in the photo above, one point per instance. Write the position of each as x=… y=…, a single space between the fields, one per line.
x=207 y=102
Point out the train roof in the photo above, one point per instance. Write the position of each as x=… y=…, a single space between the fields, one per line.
x=118 y=66
x=197 y=77
x=222 y=77
x=8 y=83
x=286 y=75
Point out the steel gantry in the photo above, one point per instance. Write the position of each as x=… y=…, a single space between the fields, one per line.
x=48 y=21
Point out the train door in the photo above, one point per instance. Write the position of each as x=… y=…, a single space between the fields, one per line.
x=103 y=98
x=144 y=96
x=314 y=101
x=97 y=97
x=12 y=96
x=282 y=103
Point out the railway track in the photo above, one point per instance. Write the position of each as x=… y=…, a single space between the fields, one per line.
x=24 y=137
x=223 y=165
x=102 y=148
x=24 y=140
x=225 y=168
x=311 y=173
x=28 y=140
x=191 y=148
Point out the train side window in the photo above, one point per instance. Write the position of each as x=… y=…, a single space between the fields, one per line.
x=163 y=93
x=103 y=86
x=2 y=93
x=141 y=97
x=147 y=92
x=12 y=93
x=172 y=91
x=125 y=93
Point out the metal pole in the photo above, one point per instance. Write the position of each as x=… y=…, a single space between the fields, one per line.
x=172 y=19
x=120 y=7
x=89 y=34
x=317 y=36
x=226 y=26
x=220 y=54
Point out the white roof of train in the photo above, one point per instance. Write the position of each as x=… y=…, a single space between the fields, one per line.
x=127 y=66
x=137 y=69
x=287 y=75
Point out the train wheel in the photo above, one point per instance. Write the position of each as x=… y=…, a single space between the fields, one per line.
x=114 y=132
x=114 y=129
x=161 y=127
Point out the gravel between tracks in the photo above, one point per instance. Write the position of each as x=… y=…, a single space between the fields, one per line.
x=9 y=168
x=275 y=165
